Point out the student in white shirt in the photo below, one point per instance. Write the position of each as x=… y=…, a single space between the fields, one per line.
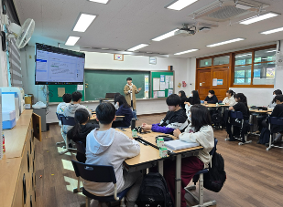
x=229 y=99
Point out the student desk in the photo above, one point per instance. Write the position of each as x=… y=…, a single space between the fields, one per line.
x=260 y=111
x=149 y=156
x=118 y=118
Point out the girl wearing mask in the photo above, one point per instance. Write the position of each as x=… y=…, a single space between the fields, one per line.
x=211 y=98
x=273 y=102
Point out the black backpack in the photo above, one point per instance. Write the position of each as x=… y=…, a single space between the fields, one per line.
x=264 y=136
x=154 y=192
x=215 y=178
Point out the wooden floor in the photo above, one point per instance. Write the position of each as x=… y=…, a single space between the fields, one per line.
x=254 y=175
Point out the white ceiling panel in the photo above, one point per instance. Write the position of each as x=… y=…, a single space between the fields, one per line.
x=122 y=24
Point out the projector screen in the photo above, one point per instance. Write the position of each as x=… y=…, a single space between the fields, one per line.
x=57 y=66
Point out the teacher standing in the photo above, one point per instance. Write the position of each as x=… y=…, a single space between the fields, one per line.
x=130 y=91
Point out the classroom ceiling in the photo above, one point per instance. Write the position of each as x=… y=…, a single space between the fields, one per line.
x=122 y=24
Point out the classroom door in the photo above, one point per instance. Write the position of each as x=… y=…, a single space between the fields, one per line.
x=204 y=82
x=221 y=74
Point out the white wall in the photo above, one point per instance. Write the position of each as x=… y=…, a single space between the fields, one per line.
x=3 y=63
x=105 y=61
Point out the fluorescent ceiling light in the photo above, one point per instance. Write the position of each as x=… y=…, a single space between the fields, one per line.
x=272 y=31
x=72 y=40
x=187 y=51
x=243 y=6
x=137 y=47
x=100 y=1
x=83 y=23
x=180 y=4
x=271 y=51
x=225 y=42
x=165 y=36
x=254 y=19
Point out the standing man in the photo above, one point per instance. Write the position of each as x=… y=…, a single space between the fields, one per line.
x=130 y=91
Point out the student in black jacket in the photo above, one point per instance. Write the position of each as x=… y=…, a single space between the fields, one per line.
x=183 y=97
x=277 y=112
x=241 y=106
x=211 y=98
x=82 y=128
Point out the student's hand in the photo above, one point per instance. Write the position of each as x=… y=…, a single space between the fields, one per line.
x=231 y=108
x=188 y=103
x=177 y=132
x=205 y=102
x=143 y=124
x=146 y=127
x=227 y=104
x=139 y=89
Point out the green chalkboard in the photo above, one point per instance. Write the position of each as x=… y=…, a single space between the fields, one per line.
x=53 y=92
x=158 y=75
x=100 y=82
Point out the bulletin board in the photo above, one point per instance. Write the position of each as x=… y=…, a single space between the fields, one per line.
x=53 y=92
x=162 y=84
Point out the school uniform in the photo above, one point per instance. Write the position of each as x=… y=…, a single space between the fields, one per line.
x=240 y=106
x=123 y=111
x=231 y=101
x=190 y=100
x=182 y=105
x=212 y=100
x=277 y=112
x=173 y=120
x=190 y=165
x=111 y=147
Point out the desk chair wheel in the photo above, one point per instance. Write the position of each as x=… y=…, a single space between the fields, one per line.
x=58 y=143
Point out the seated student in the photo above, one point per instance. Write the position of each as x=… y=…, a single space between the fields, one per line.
x=123 y=110
x=199 y=131
x=107 y=146
x=175 y=118
x=71 y=109
x=211 y=98
x=241 y=106
x=192 y=100
x=229 y=99
x=115 y=101
x=67 y=98
x=81 y=129
x=275 y=93
x=183 y=97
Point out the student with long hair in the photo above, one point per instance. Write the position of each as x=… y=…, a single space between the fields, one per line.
x=229 y=99
x=192 y=100
x=183 y=97
x=199 y=131
x=241 y=106
x=81 y=129
x=123 y=110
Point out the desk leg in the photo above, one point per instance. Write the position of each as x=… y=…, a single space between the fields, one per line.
x=160 y=167
x=178 y=180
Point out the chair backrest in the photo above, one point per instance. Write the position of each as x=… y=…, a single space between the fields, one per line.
x=94 y=173
x=214 y=148
x=80 y=147
x=275 y=121
x=69 y=121
x=236 y=115
x=59 y=116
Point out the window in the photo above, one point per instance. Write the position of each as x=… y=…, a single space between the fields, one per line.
x=205 y=63
x=255 y=68
x=221 y=60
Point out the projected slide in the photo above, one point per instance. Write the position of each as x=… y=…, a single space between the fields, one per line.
x=61 y=68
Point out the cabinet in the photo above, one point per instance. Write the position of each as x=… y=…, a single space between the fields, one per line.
x=17 y=169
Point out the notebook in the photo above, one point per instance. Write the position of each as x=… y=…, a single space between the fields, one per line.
x=180 y=145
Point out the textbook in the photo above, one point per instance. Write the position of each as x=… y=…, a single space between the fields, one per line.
x=180 y=145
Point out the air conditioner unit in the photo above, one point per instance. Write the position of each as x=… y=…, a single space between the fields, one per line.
x=225 y=10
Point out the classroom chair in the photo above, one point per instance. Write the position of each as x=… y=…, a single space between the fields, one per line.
x=101 y=174
x=199 y=177
x=275 y=126
x=237 y=120
x=81 y=158
x=59 y=118
x=68 y=121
